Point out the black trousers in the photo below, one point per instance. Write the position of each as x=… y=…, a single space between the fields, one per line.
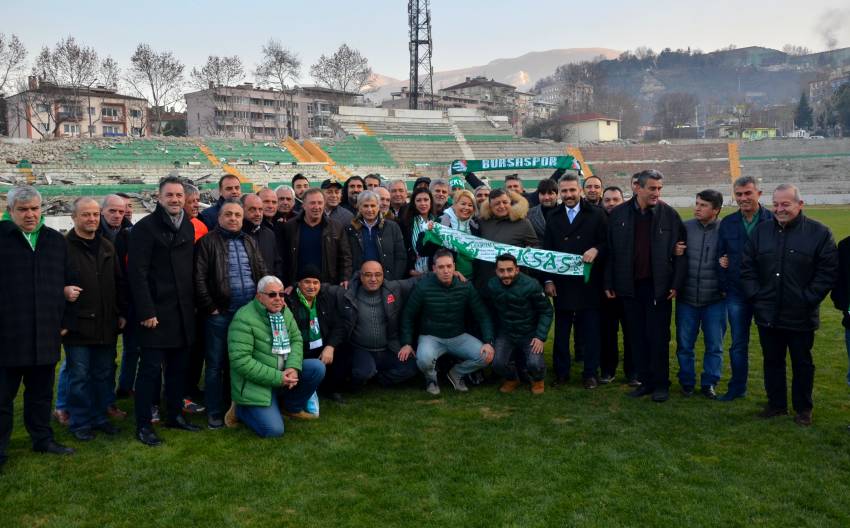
x=38 y=398
x=648 y=329
x=171 y=362
x=337 y=373
x=774 y=345
x=566 y=322
x=613 y=317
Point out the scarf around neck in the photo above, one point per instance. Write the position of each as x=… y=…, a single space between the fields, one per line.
x=280 y=338
x=315 y=333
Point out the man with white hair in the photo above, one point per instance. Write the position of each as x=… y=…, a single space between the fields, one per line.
x=398 y=198
x=266 y=364
x=286 y=201
x=789 y=265
x=384 y=201
x=34 y=314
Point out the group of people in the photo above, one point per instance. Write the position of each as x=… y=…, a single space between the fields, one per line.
x=279 y=295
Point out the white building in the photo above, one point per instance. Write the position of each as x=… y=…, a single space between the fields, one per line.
x=580 y=128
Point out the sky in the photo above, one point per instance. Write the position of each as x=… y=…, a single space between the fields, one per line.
x=465 y=32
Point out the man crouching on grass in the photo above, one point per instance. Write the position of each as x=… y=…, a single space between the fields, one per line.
x=266 y=364
x=439 y=303
x=523 y=314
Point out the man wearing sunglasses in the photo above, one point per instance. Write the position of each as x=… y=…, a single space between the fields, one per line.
x=267 y=366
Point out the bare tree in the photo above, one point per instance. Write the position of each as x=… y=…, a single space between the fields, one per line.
x=674 y=109
x=278 y=68
x=70 y=69
x=110 y=73
x=158 y=77
x=346 y=70
x=794 y=50
x=12 y=57
x=218 y=71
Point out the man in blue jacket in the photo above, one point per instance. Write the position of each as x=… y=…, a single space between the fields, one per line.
x=732 y=237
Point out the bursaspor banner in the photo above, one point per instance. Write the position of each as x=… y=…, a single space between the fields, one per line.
x=531 y=162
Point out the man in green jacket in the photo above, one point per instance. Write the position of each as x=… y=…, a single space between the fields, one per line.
x=266 y=363
x=523 y=314
x=439 y=302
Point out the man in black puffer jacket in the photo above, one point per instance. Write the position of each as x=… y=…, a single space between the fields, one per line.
x=789 y=266
x=644 y=271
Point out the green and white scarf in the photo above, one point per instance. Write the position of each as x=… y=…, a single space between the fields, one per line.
x=419 y=225
x=280 y=338
x=315 y=333
x=487 y=250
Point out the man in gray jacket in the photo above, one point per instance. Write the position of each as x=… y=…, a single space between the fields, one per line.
x=701 y=303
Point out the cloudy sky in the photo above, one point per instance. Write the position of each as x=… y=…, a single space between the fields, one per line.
x=465 y=32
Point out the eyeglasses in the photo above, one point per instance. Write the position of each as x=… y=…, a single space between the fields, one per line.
x=273 y=295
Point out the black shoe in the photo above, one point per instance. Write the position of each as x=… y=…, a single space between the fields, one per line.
x=633 y=382
x=214 y=423
x=560 y=380
x=107 y=429
x=54 y=448
x=688 y=390
x=640 y=391
x=183 y=424
x=83 y=435
x=660 y=395
x=708 y=392
x=590 y=383
x=772 y=412
x=146 y=436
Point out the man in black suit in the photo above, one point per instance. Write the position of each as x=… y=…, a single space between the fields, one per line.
x=578 y=228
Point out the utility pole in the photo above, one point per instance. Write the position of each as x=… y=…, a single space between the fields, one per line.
x=421 y=71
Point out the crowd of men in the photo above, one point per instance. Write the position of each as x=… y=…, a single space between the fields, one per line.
x=276 y=296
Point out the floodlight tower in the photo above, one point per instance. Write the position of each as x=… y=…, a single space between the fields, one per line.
x=421 y=71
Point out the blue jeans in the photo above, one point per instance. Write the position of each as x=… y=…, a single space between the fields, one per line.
x=464 y=347
x=62 y=386
x=129 y=357
x=215 y=361
x=89 y=369
x=689 y=320
x=267 y=421
x=504 y=362
x=740 y=314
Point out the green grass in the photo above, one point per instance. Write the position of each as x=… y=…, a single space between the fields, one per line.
x=400 y=458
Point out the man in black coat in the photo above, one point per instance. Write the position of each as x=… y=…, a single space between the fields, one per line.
x=645 y=272
x=160 y=265
x=578 y=228
x=256 y=226
x=789 y=266
x=313 y=307
x=37 y=281
x=90 y=344
x=229 y=188
x=313 y=239
x=841 y=292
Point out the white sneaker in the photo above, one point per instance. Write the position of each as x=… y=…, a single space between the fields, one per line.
x=432 y=388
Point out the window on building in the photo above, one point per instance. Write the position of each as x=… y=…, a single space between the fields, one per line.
x=268 y=102
x=135 y=113
x=137 y=131
x=71 y=129
x=109 y=111
x=109 y=130
x=92 y=110
x=42 y=107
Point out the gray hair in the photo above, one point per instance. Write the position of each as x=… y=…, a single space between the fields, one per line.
x=397 y=181
x=789 y=187
x=644 y=176
x=437 y=183
x=191 y=190
x=284 y=187
x=108 y=198
x=365 y=196
x=265 y=281
x=21 y=193
x=242 y=199
x=743 y=181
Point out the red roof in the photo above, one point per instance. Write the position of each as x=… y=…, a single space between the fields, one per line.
x=590 y=116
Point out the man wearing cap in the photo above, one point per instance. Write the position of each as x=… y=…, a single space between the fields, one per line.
x=314 y=311
x=312 y=238
x=332 y=190
x=422 y=181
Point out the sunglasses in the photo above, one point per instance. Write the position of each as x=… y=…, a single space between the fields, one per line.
x=273 y=295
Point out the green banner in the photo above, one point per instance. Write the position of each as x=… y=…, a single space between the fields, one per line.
x=534 y=162
x=486 y=250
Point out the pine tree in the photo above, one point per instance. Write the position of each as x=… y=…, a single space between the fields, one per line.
x=803 y=115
